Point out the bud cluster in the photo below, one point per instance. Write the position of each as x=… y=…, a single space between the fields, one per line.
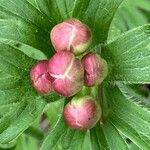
x=63 y=73
x=66 y=74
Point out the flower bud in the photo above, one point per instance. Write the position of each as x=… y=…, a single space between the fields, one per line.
x=67 y=73
x=40 y=77
x=95 y=69
x=82 y=113
x=71 y=35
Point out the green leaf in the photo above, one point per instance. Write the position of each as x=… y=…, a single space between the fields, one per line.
x=26 y=49
x=25 y=105
x=33 y=2
x=61 y=137
x=125 y=20
x=54 y=110
x=26 y=143
x=141 y=90
x=128 y=56
x=107 y=137
x=26 y=33
x=144 y=4
x=129 y=117
x=35 y=132
x=98 y=17
x=16 y=90
x=14 y=76
x=8 y=146
x=134 y=93
x=7 y=108
x=25 y=11
x=56 y=10
x=132 y=146
x=97 y=14
x=13 y=123
x=27 y=25
x=23 y=22
x=146 y=13
x=87 y=142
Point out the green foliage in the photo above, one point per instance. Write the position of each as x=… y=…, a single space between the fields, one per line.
x=62 y=137
x=130 y=15
x=26 y=143
x=107 y=137
x=128 y=56
x=128 y=116
x=24 y=38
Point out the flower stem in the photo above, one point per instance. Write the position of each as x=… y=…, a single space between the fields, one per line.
x=100 y=97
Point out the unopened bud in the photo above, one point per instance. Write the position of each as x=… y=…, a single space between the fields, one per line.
x=67 y=73
x=82 y=113
x=40 y=77
x=71 y=35
x=95 y=69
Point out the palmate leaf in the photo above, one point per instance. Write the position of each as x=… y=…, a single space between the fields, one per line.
x=129 y=117
x=128 y=56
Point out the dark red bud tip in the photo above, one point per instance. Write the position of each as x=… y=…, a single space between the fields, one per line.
x=71 y=35
x=95 y=69
x=40 y=77
x=67 y=73
x=82 y=113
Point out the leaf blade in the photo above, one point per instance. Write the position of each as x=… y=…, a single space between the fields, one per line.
x=96 y=14
x=129 y=56
x=129 y=118
x=101 y=138
x=21 y=120
x=61 y=136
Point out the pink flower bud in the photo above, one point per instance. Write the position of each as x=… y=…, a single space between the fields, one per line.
x=71 y=35
x=95 y=69
x=82 y=113
x=67 y=73
x=40 y=77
